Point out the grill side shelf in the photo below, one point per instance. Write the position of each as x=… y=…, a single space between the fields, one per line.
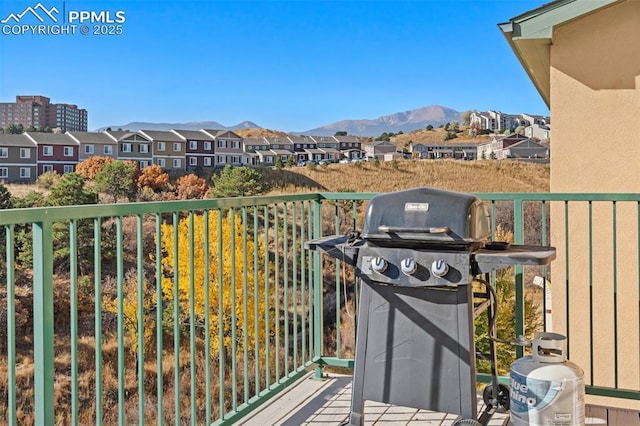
x=337 y=246
x=492 y=260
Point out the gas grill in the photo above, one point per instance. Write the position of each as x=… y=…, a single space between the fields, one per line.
x=417 y=257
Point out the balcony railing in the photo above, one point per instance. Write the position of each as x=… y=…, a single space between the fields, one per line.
x=199 y=311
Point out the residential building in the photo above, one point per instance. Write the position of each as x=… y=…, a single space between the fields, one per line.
x=168 y=148
x=228 y=147
x=496 y=147
x=56 y=152
x=443 y=150
x=251 y=147
x=133 y=146
x=350 y=146
x=378 y=149
x=329 y=147
x=93 y=144
x=583 y=57
x=538 y=127
x=499 y=122
x=18 y=158
x=199 y=149
x=282 y=148
x=304 y=148
x=38 y=111
x=528 y=150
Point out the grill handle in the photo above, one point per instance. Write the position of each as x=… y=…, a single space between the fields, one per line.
x=398 y=229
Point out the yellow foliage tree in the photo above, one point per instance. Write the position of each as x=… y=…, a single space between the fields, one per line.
x=230 y=273
x=130 y=310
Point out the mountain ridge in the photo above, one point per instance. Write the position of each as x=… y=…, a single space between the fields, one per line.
x=405 y=121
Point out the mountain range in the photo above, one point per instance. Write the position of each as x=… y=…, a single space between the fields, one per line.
x=192 y=125
x=405 y=121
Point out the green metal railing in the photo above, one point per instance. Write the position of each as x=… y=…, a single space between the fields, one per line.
x=200 y=311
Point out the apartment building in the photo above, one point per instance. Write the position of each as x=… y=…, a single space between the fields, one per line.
x=55 y=152
x=38 y=111
x=168 y=149
x=18 y=158
x=198 y=149
x=94 y=144
x=228 y=147
x=132 y=146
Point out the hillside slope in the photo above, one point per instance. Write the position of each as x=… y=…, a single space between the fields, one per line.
x=453 y=175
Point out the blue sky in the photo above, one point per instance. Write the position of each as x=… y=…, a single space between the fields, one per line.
x=288 y=65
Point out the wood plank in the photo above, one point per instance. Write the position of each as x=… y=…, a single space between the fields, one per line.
x=623 y=418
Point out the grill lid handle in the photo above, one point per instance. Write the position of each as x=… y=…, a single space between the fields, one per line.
x=398 y=229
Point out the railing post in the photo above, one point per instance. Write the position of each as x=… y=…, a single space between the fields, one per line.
x=317 y=290
x=518 y=238
x=43 y=322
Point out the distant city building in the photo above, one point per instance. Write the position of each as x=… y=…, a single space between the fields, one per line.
x=38 y=111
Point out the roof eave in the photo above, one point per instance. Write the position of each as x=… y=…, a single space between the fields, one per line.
x=530 y=36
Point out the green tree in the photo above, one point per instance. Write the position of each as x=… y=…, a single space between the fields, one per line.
x=14 y=129
x=289 y=162
x=6 y=202
x=429 y=127
x=466 y=117
x=238 y=182
x=117 y=179
x=31 y=129
x=71 y=191
x=505 y=324
x=341 y=133
x=279 y=165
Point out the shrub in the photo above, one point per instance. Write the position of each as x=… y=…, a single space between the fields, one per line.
x=48 y=179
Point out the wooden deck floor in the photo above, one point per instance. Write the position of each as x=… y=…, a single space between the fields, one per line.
x=326 y=403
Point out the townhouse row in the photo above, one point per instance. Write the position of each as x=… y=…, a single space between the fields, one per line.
x=25 y=156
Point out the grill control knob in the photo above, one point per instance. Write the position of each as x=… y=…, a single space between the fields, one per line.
x=378 y=264
x=408 y=266
x=439 y=268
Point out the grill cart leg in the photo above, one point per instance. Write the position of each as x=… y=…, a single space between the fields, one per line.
x=356 y=418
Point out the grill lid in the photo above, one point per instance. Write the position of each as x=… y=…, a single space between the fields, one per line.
x=426 y=216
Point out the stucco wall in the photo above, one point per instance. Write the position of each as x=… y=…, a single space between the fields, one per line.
x=595 y=102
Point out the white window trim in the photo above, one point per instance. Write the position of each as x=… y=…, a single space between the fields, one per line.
x=207 y=161
x=176 y=147
x=47 y=151
x=68 y=151
x=4 y=172
x=177 y=163
x=162 y=162
x=127 y=147
x=161 y=146
x=193 y=161
x=88 y=149
x=25 y=172
x=207 y=146
x=68 y=168
x=193 y=144
x=108 y=149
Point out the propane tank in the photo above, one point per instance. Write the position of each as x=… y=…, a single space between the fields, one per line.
x=546 y=388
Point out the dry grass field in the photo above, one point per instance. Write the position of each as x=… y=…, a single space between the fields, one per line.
x=453 y=175
x=436 y=136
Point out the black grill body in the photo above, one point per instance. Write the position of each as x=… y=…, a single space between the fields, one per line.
x=419 y=251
